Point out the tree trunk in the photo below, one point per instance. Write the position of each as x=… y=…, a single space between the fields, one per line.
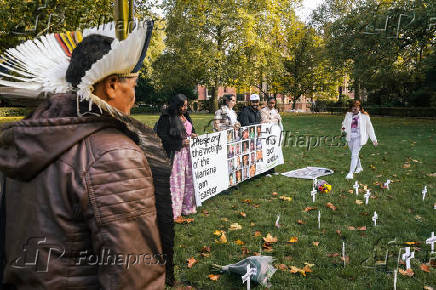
x=215 y=106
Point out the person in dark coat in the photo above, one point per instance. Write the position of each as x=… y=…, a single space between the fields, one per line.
x=175 y=129
x=250 y=115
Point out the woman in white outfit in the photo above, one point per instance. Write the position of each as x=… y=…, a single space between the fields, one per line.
x=225 y=117
x=357 y=125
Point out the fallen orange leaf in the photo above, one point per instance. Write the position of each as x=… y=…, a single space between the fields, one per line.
x=267 y=247
x=218 y=233
x=182 y=220
x=235 y=227
x=425 y=268
x=330 y=206
x=252 y=224
x=245 y=251
x=247 y=200
x=359 y=202
x=307 y=269
x=191 y=262
x=293 y=240
x=270 y=239
x=214 y=277
x=362 y=228
x=243 y=214
x=315 y=244
x=239 y=242
x=223 y=238
x=351 y=228
x=301 y=222
x=408 y=272
x=307 y=209
x=274 y=193
x=282 y=267
x=333 y=255
x=257 y=233
x=339 y=232
x=287 y=198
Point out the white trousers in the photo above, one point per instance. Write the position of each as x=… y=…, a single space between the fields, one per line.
x=354 y=145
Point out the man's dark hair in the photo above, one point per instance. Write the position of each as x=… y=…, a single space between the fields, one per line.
x=88 y=52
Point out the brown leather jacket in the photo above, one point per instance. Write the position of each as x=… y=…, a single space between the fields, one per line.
x=80 y=202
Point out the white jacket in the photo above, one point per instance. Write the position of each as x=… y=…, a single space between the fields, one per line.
x=365 y=126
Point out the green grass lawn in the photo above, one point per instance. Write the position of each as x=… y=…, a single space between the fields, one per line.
x=402 y=213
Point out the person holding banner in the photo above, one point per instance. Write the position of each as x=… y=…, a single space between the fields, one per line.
x=250 y=115
x=175 y=128
x=225 y=117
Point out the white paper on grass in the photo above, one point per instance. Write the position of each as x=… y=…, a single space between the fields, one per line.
x=308 y=172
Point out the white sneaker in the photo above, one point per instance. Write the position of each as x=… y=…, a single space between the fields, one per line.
x=349 y=175
x=358 y=170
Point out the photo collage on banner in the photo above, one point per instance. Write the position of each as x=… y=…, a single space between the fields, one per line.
x=244 y=152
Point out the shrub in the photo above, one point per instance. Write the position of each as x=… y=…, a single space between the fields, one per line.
x=14 y=111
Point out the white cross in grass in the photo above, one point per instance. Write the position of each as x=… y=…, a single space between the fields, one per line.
x=356 y=187
x=424 y=192
x=387 y=183
x=374 y=218
x=246 y=277
x=407 y=256
x=366 y=196
x=313 y=194
x=431 y=241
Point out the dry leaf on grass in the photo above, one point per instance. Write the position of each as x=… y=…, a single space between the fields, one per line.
x=359 y=202
x=205 y=212
x=245 y=251
x=408 y=272
x=428 y=288
x=214 y=277
x=205 y=251
x=287 y=198
x=361 y=228
x=243 y=214
x=257 y=233
x=182 y=220
x=247 y=201
x=282 y=267
x=239 y=242
x=224 y=219
x=267 y=247
x=303 y=271
x=333 y=255
x=406 y=165
x=218 y=233
x=351 y=228
x=274 y=193
x=347 y=259
x=425 y=268
x=339 y=232
x=307 y=209
x=301 y=222
x=330 y=206
x=350 y=191
x=235 y=227
x=191 y=262
x=222 y=235
x=270 y=239
x=293 y=240
x=315 y=244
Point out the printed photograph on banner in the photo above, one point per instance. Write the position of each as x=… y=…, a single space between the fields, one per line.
x=238 y=174
x=245 y=146
x=232 y=178
x=230 y=136
x=245 y=160
x=245 y=173
x=245 y=134
x=237 y=148
x=230 y=165
x=259 y=131
x=230 y=151
x=259 y=156
x=258 y=144
x=238 y=162
x=253 y=157
x=253 y=170
x=252 y=147
x=252 y=132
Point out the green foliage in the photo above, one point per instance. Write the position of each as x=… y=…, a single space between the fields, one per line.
x=14 y=111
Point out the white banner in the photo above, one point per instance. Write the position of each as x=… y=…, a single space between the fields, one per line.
x=223 y=159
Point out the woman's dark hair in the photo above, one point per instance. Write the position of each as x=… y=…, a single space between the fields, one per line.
x=177 y=129
x=273 y=99
x=226 y=98
x=89 y=51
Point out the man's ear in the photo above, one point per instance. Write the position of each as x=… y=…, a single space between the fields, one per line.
x=110 y=86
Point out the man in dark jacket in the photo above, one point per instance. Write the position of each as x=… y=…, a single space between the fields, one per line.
x=86 y=199
x=250 y=115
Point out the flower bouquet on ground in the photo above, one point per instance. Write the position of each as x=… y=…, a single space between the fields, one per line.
x=262 y=264
x=323 y=186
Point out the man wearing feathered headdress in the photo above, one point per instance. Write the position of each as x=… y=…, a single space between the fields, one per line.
x=85 y=200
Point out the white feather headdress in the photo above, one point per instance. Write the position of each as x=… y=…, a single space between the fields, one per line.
x=41 y=64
